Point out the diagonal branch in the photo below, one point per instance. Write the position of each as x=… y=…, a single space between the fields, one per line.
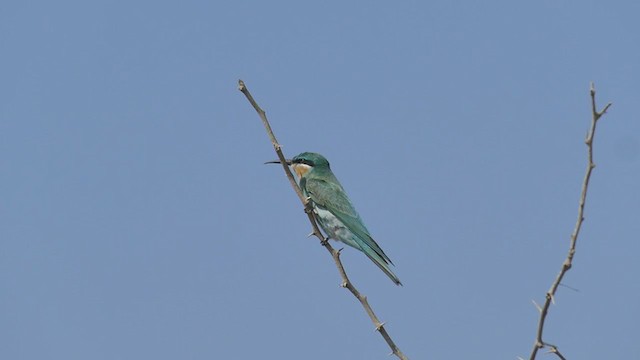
x=335 y=254
x=566 y=265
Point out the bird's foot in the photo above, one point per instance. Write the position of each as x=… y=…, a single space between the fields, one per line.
x=308 y=205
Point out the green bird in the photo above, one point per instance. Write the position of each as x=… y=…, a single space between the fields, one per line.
x=335 y=214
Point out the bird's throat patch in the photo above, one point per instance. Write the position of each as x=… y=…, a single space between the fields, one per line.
x=301 y=169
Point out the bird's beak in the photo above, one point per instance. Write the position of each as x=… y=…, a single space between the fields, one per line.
x=288 y=162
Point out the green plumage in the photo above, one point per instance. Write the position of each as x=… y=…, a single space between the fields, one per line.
x=334 y=211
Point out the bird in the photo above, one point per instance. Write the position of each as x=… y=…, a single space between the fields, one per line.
x=333 y=210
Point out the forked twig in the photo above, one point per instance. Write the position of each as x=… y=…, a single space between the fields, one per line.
x=335 y=254
x=566 y=265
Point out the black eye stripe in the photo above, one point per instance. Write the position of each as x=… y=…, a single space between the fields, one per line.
x=303 y=161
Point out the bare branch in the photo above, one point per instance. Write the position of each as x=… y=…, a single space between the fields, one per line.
x=554 y=350
x=335 y=254
x=567 y=263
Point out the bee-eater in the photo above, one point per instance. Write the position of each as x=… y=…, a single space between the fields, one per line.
x=335 y=214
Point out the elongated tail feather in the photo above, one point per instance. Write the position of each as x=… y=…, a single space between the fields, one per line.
x=378 y=260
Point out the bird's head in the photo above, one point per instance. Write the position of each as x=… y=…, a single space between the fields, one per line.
x=305 y=162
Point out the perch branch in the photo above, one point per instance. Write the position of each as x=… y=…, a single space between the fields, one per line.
x=335 y=254
x=567 y=263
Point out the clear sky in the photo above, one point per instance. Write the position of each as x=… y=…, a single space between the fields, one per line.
x=137 y=220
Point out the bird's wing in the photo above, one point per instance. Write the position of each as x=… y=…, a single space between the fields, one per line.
x=332 y=197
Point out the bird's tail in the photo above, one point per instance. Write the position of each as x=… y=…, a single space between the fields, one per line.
x=380 y=261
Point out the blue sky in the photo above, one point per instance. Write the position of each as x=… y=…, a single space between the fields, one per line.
x=137 y=220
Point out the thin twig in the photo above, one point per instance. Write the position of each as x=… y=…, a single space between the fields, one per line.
x=554 y=350
x=335 y=254
x=566 y=265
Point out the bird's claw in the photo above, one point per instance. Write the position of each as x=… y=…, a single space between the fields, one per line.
x=308 y=205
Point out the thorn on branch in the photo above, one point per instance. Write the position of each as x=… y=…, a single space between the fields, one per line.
x=537 y=306
x=570 y=287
